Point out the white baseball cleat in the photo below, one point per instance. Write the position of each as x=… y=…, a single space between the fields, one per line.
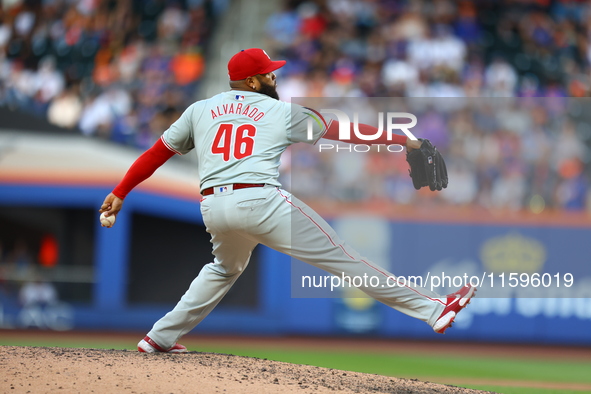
x=455 y=303
x=147 y=345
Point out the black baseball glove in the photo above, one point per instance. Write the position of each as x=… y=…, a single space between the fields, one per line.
x=427 y=167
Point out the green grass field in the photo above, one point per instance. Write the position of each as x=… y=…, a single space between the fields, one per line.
x=463 y=371
x=440 y=367
x=433 y=367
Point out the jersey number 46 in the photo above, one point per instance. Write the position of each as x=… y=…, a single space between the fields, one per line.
x=241 y=145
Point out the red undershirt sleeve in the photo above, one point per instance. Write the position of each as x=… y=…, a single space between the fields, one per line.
x=143 y=168
x=332 y=133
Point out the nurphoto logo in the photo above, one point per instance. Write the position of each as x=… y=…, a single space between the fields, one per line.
x=391 y=119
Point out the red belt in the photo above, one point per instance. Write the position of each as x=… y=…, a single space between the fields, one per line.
x=236 y=186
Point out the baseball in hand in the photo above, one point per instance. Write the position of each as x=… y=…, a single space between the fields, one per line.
x=107 y=221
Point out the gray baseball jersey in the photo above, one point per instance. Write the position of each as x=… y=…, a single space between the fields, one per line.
x=240 y=136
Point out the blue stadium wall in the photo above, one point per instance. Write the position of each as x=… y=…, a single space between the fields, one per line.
x=522 y=317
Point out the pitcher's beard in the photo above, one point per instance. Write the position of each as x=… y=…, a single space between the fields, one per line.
x=269 y=90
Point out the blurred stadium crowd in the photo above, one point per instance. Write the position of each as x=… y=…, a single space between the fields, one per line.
x=124 y=70
x=531 y=154
x=502 y=154
x=121 y=70
x=440 y=48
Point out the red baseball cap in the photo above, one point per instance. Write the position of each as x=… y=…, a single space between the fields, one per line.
x=251 y=62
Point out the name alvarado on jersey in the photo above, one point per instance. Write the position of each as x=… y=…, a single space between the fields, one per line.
x=249 y=111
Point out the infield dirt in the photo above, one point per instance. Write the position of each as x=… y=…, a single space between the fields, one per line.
x=70 y=370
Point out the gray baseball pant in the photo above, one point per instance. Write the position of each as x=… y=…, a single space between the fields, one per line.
x=238 y=220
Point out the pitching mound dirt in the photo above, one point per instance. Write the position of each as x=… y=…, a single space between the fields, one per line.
x=65 y=370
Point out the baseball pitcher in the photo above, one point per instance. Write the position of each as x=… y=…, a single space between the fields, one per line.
x=239 y=136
